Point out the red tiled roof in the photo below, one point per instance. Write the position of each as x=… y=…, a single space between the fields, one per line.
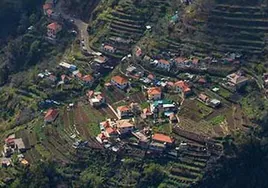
x=54 y=26
x=120 y=80
x=123 y=108
x=87 y=78
x=101 y=136
x=105 y=124
x=164 y=61
x=183 y=86
x=110 y=130
x=51 y=114
x=154 y=91
x=162 y=138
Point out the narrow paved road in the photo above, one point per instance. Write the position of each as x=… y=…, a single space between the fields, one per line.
x=81 y=25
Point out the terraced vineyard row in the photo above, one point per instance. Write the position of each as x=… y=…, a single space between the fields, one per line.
x=247 y=26
x=192 y=161
x=125 y=24
x=229 y=28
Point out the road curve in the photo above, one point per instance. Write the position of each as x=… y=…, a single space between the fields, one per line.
x=81 y=25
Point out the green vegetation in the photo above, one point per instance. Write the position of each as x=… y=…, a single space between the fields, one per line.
x=217 y=120
x=256 y=108
x=26 y=54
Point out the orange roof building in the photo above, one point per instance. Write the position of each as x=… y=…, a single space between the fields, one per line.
x=119 y=82
x=51 y=115
x=154 y=93
x=110 y=131
x=163 y=61
x=53 y=29
x=183 y=86
x=123 y=111
x=88 y=78
x=123 y=108
x=158 y=137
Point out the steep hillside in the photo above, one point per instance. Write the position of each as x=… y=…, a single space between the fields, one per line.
x=217 y=27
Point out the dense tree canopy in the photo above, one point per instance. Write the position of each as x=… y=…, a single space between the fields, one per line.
x=11 y=12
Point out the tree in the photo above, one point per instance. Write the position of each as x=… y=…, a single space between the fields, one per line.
x=153 y=175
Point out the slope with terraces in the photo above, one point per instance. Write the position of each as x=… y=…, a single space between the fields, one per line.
x=124 y=26
x=226 y=28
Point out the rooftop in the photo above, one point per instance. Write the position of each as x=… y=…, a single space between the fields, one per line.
x=54 y=26
x=120 y=80
x=164 y=61
x=123 y=108
x=162 y=138
x=154 y=91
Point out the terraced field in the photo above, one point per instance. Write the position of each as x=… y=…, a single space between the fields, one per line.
x=229 y=28
x=237 y=29
x=190 y=165
x=125 y=27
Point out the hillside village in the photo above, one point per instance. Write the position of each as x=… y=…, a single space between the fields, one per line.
x=112 y=94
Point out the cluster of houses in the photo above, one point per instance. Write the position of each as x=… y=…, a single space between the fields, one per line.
x=180 y=86
x=71 y=73
x=13 y=146
x=171 y=62
x=112 y=131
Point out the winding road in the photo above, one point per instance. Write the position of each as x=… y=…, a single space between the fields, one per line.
x=81 y=25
